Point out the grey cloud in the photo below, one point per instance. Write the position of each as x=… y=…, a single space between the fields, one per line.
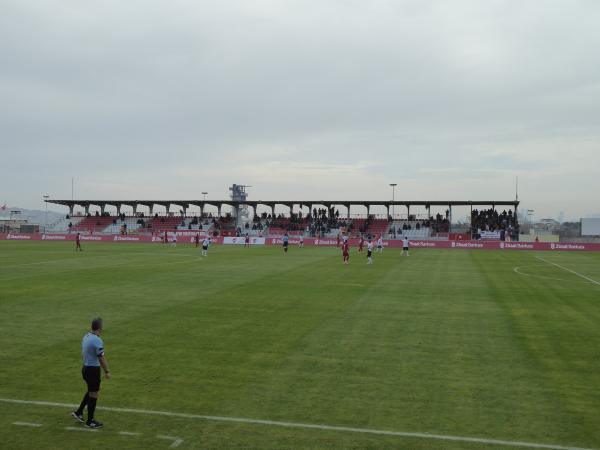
x=135 y=89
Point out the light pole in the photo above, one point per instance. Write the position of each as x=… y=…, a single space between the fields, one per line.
x=204 y=193
x=46 y=197
x=393 y=185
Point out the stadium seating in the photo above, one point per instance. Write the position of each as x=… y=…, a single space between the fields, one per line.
x=277 y=231
x=131 y=222
x=62 y=225
x=412 y=229
x=378 y=227
x=169 y=223
x=92 y=224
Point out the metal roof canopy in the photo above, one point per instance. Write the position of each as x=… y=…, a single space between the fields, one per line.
x=185 y=204
x=287 y=202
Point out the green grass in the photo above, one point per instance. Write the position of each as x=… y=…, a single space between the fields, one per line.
x=447 y=342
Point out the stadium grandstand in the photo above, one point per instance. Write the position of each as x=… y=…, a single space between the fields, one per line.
x=316 y=218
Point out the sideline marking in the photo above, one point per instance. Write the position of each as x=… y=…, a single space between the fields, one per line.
x=129 y=433
x=275 y=423
x=90 y=430
x=27 y=424
x=569 y=270
x=176 y=440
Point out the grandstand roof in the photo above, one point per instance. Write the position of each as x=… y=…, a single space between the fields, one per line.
x=253 y=203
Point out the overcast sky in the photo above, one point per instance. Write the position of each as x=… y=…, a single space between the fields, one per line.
x=302 y=99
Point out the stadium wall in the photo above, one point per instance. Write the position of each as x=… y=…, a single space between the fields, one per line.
x=474 y=245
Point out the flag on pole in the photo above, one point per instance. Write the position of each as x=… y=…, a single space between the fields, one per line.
x=3 y=207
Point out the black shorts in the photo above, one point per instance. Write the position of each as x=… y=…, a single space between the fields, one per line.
x=204 y=247
x=285 y=244
x=91 y=376
x=369 y=254
x=405 y=249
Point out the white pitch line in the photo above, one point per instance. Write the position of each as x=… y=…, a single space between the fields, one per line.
x=517 y=270
x=275 y=423
x=569 y=270
x=176 y=440
x=91 y=430
x=129 y=433
x=27 y=424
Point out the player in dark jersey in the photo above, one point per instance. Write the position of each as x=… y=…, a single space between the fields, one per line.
x=247 y=240
x=197 y=240
x=78 y=242
x=361 y=243
x=286 y=241
x=346 y=252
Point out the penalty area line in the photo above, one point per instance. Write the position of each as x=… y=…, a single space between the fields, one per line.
x=591 y=280
x=275 y=423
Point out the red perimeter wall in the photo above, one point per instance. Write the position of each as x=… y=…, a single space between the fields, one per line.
x=188 y=238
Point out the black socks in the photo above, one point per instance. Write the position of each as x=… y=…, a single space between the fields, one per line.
x=83 y=403
x=91 y=408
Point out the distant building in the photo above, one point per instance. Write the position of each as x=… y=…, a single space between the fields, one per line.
x=546 y=226
x=12 y=225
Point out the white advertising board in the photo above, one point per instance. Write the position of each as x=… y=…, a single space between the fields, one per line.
x=590 y=227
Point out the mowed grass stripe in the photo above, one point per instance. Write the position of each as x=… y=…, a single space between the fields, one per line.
x=551 y=326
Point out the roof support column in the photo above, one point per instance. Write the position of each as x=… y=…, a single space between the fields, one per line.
x=471 y=221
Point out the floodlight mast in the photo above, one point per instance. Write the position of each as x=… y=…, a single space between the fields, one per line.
x=239 y=195
x=46 y=197
x=393 y=185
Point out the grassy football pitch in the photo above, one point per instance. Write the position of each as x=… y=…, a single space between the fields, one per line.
x=460 y=344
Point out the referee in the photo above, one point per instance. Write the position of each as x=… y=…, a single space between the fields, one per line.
x=92 y=351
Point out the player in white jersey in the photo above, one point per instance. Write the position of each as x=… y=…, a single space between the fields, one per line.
x=370 y=252
x=174 y=240
x=380 y=245
x=301 y=242
x=405 y=247
x=205 y=244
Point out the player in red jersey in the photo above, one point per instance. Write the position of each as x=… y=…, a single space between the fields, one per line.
x=247 y=240
x=346 y=252
x=197 y=240
x=361 y=243
x=78 y=242
x=338 y=240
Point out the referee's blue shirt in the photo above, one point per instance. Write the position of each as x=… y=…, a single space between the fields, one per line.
x=92 y=348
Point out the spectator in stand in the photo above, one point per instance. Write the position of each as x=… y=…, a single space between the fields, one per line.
x=491 y=220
